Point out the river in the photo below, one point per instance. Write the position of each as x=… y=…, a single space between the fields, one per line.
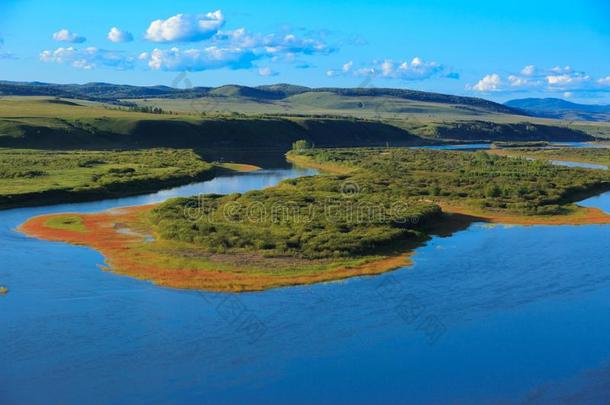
x=490 y=314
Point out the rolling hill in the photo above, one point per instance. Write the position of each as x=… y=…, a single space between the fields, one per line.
x=102 y=115
x=107 y=92
x=562 y=109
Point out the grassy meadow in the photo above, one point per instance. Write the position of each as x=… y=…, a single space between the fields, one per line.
x=29 y=177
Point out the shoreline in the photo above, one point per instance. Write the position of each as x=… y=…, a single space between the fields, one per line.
x=135 y=188
x=525 y=154
x=123 y=238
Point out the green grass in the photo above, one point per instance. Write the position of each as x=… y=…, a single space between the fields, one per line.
x=36 y=177
x=68 y=223
x=388 y=196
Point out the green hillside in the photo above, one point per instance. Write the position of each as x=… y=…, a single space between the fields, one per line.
x=45 y=123
x=236 y=117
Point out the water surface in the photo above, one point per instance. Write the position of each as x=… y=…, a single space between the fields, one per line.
x=489 y=145
x=578 y=164
x=492 y=313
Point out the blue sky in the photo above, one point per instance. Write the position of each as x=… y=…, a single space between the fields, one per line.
x=496 y=50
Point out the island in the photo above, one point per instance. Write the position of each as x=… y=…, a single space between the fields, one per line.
x=364 y=215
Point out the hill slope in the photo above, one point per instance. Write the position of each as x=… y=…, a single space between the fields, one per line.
x=38 y=122
x=558 y=108
x=49 y=123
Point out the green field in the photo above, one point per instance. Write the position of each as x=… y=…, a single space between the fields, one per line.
x=35 y=177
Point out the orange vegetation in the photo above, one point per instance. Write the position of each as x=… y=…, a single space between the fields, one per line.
x=121 y=236
x=124 y=238
x=310 y=163
x=241 y=167
x=581 y=216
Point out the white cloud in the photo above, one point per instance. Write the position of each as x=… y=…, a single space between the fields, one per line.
x=266 y=72
x=280 y=46
x=65 y=35
x=561 y=79
x=568 y=94
x=416 y=69
x=573 y=79
x=117 y=35
x=491 y=82
x=387 y=68
x=518 y=81
x=365 y=72
x=235 y=50
x=528 y=70
x=208 y=58
x=291 y=44
x=185 y=28
x=556 y=79
x=559 y=69
x=87 y=58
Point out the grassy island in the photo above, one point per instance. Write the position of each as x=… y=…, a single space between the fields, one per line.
x=597 y=156
x=364 y=217
x=39 y=177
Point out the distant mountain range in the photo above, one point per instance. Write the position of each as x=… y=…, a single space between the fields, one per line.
x=113 y=93
x=562 y=109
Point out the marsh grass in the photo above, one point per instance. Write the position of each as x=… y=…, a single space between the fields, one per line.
x=68 y=222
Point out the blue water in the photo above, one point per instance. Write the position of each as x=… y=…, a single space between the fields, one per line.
x=465 y=146
x=578 y=164
x=490 y=314
x=482 y=146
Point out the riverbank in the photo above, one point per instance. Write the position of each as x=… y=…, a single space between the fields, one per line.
x=591 y=156
x=131 y=248
x=39 y=177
